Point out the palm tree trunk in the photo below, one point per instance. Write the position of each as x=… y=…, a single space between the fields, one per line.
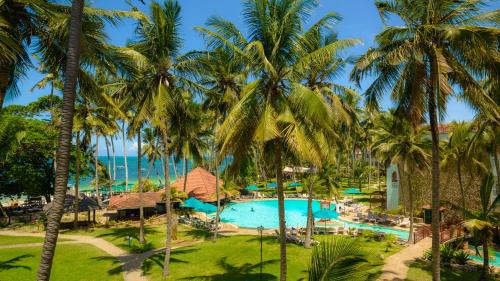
x=114 y=158
x=5 y=76
x=185 y=172
x=309 y=225
x=175 y=168
x=64 y=148
x=410 y=196
x=497 y=163
x=369 y=168
x=217 y=188
x=184 y=167
x=96 y=165
x=433 y=119
x=168 y=246
x=462 y=192
x=110 y=178
x=125 y=155
x=77 y=179
x=486 y=256
x=4 y=213
x=281 y=211
x=378 y=174
x=139 y=183
x=151 y=163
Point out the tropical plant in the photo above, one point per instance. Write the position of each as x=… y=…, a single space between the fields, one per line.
x=147 y=186
x=461 y=257
x=441 y=44
x=396 y=140
x=275 y=111
x=337 y=259
x=482 y=222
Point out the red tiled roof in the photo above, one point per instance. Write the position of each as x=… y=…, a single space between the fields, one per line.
x=200 y=184
x=132 y=200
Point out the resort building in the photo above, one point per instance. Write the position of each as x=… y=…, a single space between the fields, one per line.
x=127 y=205
x=200 y=184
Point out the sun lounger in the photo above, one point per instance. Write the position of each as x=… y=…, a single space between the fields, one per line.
x=405 y=222
x=340 y=230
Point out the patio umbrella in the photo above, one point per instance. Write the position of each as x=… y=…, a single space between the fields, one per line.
x=295 y=184
x=207 y=209
x=193 y=203
x=252 y=187
x=325 y=214
x=272 y=185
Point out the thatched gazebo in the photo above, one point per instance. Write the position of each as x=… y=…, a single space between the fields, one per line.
x=85 y=204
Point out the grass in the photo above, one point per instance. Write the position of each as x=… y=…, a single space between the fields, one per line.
x=238 y=258
x=75 y=262
x=155 y=236
x=421 y=271
x=11 y=240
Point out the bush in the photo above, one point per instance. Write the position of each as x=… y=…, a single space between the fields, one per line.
x=147 y=185
x=447 y=253
x=461 y=257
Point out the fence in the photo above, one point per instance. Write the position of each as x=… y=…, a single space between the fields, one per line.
x=446 y=232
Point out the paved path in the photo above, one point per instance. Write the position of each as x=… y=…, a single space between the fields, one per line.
x=396 y=266
x=131 y=263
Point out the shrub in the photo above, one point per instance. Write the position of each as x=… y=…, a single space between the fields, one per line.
x=428 y=255
x=447 y=253
x=461 y=257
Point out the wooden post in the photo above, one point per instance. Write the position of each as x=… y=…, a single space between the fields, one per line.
x=88 y=216
x=93 y=215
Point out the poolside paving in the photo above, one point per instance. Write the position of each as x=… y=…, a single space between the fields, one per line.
x=396 y=266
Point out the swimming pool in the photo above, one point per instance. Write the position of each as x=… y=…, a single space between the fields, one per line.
x=253 y=214
x=494 y=256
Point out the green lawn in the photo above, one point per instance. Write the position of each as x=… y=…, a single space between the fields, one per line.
x=238 y=258
x=11 y=240
x=155 y=235
x=75 y=262
x=421 y=271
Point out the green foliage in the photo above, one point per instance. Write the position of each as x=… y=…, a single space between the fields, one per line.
x=337 y=259
x=447 y=253
x=147 y=185
x=461 y=257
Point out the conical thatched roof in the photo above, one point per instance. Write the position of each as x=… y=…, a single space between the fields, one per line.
x=200 y=184
x=84 y=203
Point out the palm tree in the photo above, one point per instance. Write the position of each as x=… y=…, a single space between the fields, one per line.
x=482 y=222
x=457 y=153
x=442 y=43
x=337 y=259
x=221 y=74
x=152 y=149
x=151 y=94
x=275 y=111
x=63 y=151
x=396 y=140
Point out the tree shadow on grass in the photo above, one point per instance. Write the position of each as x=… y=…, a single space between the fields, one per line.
x=123 y=233
x=117 y=267
x=196 y=234
x=158 y=259
x=247 y=271
x=267 y=240
x=11 y=264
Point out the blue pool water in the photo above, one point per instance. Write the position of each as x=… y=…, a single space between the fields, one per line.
x=495 y=261
x=253 y=214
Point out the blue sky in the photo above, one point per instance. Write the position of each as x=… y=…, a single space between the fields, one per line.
x=360 y=20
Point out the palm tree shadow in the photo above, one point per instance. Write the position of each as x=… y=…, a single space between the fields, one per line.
x=158 y=259
x=268 y=240
x=11 y=264
x=197 y=233
x=117 y=267
x=246 y=271
x=128 y=232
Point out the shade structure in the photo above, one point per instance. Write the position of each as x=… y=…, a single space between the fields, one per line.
x=295 y=184
x=272 y=185
x=352 y=191
x=325 y=214
x=206 y=208
x=252 y=187
x=193 y=203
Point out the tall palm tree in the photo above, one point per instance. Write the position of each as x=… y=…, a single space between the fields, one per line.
x=275 y=111
x=482 y=222
x=222 y=74
x=442 y=43
x=152 y=149
x=65 y=136
x=156 y=52
x=396 y=140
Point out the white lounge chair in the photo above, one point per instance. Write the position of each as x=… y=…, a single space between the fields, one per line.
x=405 y=222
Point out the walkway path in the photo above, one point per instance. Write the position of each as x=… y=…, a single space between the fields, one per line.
x=396 y=266
x=131 y=263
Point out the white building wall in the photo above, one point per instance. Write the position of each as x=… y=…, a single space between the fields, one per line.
x=392 y=183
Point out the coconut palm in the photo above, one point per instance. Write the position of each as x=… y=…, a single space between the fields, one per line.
x=222 y=74
x=482 y=222
x=337 y=259
x=441 y=44
x=275 y=111
x=152 y=148
x=65 y=136
x=151 y=95
x=396 y=140
x=456 y=153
